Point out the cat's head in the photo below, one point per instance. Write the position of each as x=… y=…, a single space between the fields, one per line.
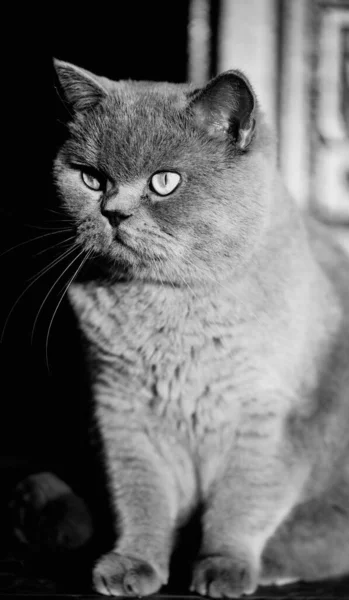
x=164 y=181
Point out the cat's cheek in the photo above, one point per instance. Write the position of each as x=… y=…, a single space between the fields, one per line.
x=94 y=233
x=78 y=205
x=173 y=212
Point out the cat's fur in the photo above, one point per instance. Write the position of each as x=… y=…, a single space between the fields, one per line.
x=217 y=337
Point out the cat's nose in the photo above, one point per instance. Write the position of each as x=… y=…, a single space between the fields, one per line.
x=115 y=217
x=123 y=203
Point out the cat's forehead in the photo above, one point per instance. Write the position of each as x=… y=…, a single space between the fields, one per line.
x=147 y=98
x=141 y=127
x=155 y=89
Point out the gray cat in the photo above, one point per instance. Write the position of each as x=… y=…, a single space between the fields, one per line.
x=217 y=338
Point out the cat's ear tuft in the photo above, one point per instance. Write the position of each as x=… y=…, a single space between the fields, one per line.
x=76 y=87
x=226 y=107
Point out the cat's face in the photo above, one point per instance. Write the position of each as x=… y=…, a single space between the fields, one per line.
x=167 y=183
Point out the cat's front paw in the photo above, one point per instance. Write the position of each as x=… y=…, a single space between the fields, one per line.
x=224 y=577
x=117 y=575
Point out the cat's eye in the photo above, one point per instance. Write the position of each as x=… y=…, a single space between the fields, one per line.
x=165 y=183
x=91 y=181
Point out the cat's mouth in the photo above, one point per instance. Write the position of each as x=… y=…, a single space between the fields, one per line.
x=123 y=247
x=143 y=250
x=132 y=244
x=119 y=237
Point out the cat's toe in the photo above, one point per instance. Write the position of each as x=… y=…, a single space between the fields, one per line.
x=117 y=575
x=224 y=577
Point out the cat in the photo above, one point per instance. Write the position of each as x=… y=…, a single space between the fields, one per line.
x=216 y=334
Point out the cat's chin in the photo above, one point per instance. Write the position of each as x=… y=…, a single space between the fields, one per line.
x=122 y=261
x=117 y=268
x=123 y=252
x=122 y=257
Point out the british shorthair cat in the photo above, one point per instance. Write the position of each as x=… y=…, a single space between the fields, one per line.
x=216 y=334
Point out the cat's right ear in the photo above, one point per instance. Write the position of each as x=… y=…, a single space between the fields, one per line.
x=77 y=88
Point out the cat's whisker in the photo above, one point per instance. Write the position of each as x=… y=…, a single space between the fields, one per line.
x=15 y=217
x=61 y=122
x=186 y=284
x=205 y=274
x=189 y=288
x=53 y=263
x=37 y=277
x=49 y=292
x=69 y=239
x=63 y=294
x=39 y=237
x=168 y=279
x=51 y=224
x=157 y=271
x=60 y=213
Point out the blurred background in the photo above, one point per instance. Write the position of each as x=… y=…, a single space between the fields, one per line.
x=296 y=53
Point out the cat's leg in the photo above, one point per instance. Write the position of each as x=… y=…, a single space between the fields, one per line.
x=312 y=544
x=257 y=488
x=48 y=515
x=144 y=496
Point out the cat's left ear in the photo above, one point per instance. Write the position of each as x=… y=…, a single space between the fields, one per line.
x=80 y=88
x=226 y=107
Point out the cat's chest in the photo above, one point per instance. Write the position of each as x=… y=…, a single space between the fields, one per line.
x=164 y=358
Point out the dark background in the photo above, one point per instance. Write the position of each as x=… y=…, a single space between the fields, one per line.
x=42 y=407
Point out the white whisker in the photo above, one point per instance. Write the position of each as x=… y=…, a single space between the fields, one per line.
x=53 y=263
x=186 y=284
x=48 y=225
x=39 y=237
x=157 y=272
x=29 y=286
x=49 y=292
x=69 y=239
x=62 y=296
